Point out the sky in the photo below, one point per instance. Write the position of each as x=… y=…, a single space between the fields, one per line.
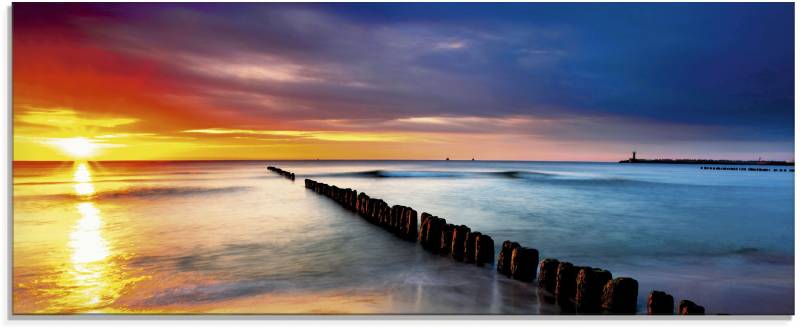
x=536 y=81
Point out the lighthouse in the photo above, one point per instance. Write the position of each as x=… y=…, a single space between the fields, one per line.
x=633 y=158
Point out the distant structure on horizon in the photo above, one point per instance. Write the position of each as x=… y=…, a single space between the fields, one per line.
x=633 y=159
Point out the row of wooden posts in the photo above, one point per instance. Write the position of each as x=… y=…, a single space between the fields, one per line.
x=281 y=172
x=576 y=289
x=747 y=169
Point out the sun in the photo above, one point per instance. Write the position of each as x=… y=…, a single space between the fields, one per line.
x=78 y=147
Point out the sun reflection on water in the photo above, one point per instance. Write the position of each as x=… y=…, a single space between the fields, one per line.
x=82 y=173
x=86 y=241
x=83 y=180
x=92 y=278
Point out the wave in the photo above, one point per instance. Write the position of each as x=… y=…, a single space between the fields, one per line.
x=514 y=174
x=215 y=291
x=398 y=174
x=169 y=191
x=522 y=175
x=690 y=252
x=518 y=174
x=435 y=174
x=761 y=256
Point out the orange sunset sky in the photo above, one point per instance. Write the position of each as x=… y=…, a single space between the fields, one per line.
x=169 y=81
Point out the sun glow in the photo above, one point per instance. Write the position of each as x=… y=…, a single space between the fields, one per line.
x=78 y=147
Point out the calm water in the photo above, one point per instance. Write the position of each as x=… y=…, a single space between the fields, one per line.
x=165 y=237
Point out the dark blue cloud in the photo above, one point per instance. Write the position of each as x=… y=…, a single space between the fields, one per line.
x=687 y=63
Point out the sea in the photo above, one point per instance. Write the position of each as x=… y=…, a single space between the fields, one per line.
x=231 y=237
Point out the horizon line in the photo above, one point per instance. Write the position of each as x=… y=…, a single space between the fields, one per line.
x=465 y=160
x=458 y=160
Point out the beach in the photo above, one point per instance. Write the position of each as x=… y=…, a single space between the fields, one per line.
x=231 y=237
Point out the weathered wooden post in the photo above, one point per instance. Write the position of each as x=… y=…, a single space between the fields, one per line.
x=524 y=263
x=484 y=253
x=374 y=211
x=446 y=239
x=394 y=220
x=686 y=307
x=547 y=274
x=590 y=283
x=353 y=200
x=620 y=295
x=402 y=221
x=383 y=213
x=409 y=228
x=504 y=258
x=459 y=239
x=361 y=203
x=424 y=227
x=566 y=285
x=660 y=303
x=433 y=236
x=471 y=247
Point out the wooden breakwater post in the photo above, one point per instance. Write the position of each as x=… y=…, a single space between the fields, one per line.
x=504 y=257
x=524 y=262
x=620 y=295
x=566 y=286
x=518 y=262
x=687 y=307
x=589 y=289
x=459 y=242
x=547 y=278
x=484 y=250
x=584 y=290
x=430 y=235
x=403 y=222
x=660 y=303
x=399 y=220
x=576 y=289
x=281 y=172
x=446 y=238
x=471 y=247
x=433 y=233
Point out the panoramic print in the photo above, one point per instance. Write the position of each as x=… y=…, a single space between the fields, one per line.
x=403 y=158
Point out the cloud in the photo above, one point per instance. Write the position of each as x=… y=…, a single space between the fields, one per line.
x=314 y=62
x=453 y=45
x=618 y=73
x=335 y=136
x=65 y=117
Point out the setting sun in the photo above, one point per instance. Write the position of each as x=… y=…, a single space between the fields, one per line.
x=78 y=147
